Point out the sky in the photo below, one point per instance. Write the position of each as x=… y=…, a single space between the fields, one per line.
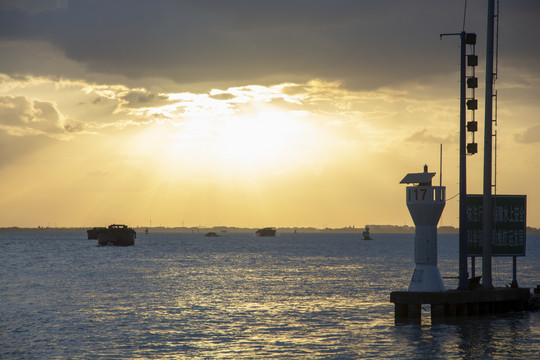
x=253 y=113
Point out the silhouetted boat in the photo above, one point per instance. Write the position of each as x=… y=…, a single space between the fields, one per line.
x=266 y=232
x=211 y=234
x=146 y=231
x=365 y=234
x=94 y=232
x=117 y=235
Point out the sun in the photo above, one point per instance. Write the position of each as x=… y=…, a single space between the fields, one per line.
x=264 y=139
x=258 y=142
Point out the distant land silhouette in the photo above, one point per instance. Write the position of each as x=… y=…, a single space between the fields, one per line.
x=374 y=229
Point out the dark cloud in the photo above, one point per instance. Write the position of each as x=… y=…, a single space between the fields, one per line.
x=143 y=98
x=72 y=126
x=32 y=6
x=365 y=43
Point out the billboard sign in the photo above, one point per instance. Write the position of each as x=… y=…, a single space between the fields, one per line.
x=509 y=225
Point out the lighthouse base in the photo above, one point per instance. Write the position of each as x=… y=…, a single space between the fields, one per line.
x=426 y=278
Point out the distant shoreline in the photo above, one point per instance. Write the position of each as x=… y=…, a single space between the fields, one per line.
x=374 y=229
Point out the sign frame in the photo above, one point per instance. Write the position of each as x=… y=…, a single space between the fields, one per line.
x=509 y=225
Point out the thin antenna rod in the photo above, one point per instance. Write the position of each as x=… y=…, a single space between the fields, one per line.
x=440 y=167
x=497 y=42
x=464 y=15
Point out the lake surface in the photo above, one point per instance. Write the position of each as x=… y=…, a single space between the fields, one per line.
x=295 y=296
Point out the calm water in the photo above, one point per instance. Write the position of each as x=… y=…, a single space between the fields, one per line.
x=176 y=296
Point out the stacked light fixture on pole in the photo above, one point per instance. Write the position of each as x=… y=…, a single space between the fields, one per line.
x=471 y=82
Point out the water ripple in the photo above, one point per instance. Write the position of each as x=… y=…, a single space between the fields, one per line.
x=175 y=296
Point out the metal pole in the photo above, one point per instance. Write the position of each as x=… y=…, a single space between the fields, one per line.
x=514 y=272
x=463 y=282
x=487 y=203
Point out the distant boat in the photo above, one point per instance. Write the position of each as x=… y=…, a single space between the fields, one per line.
x=266 y=232
x=365 y=234
x=211 y=234
x=117 y=235
x=146 y=231
x=94 y=232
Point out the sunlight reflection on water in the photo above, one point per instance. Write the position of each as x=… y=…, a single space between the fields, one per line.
x=238 y=296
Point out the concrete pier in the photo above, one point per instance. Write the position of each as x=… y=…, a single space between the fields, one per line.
x=454 y=303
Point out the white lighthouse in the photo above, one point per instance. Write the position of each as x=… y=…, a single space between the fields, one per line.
x=426 y=204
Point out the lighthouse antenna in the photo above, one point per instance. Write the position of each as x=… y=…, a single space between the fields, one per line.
x=440 y=167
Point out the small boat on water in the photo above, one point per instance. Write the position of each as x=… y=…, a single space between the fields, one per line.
x=94 y=232
x=211 y=234
x=117 y=235
x=266 y=232
x=365 y=234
